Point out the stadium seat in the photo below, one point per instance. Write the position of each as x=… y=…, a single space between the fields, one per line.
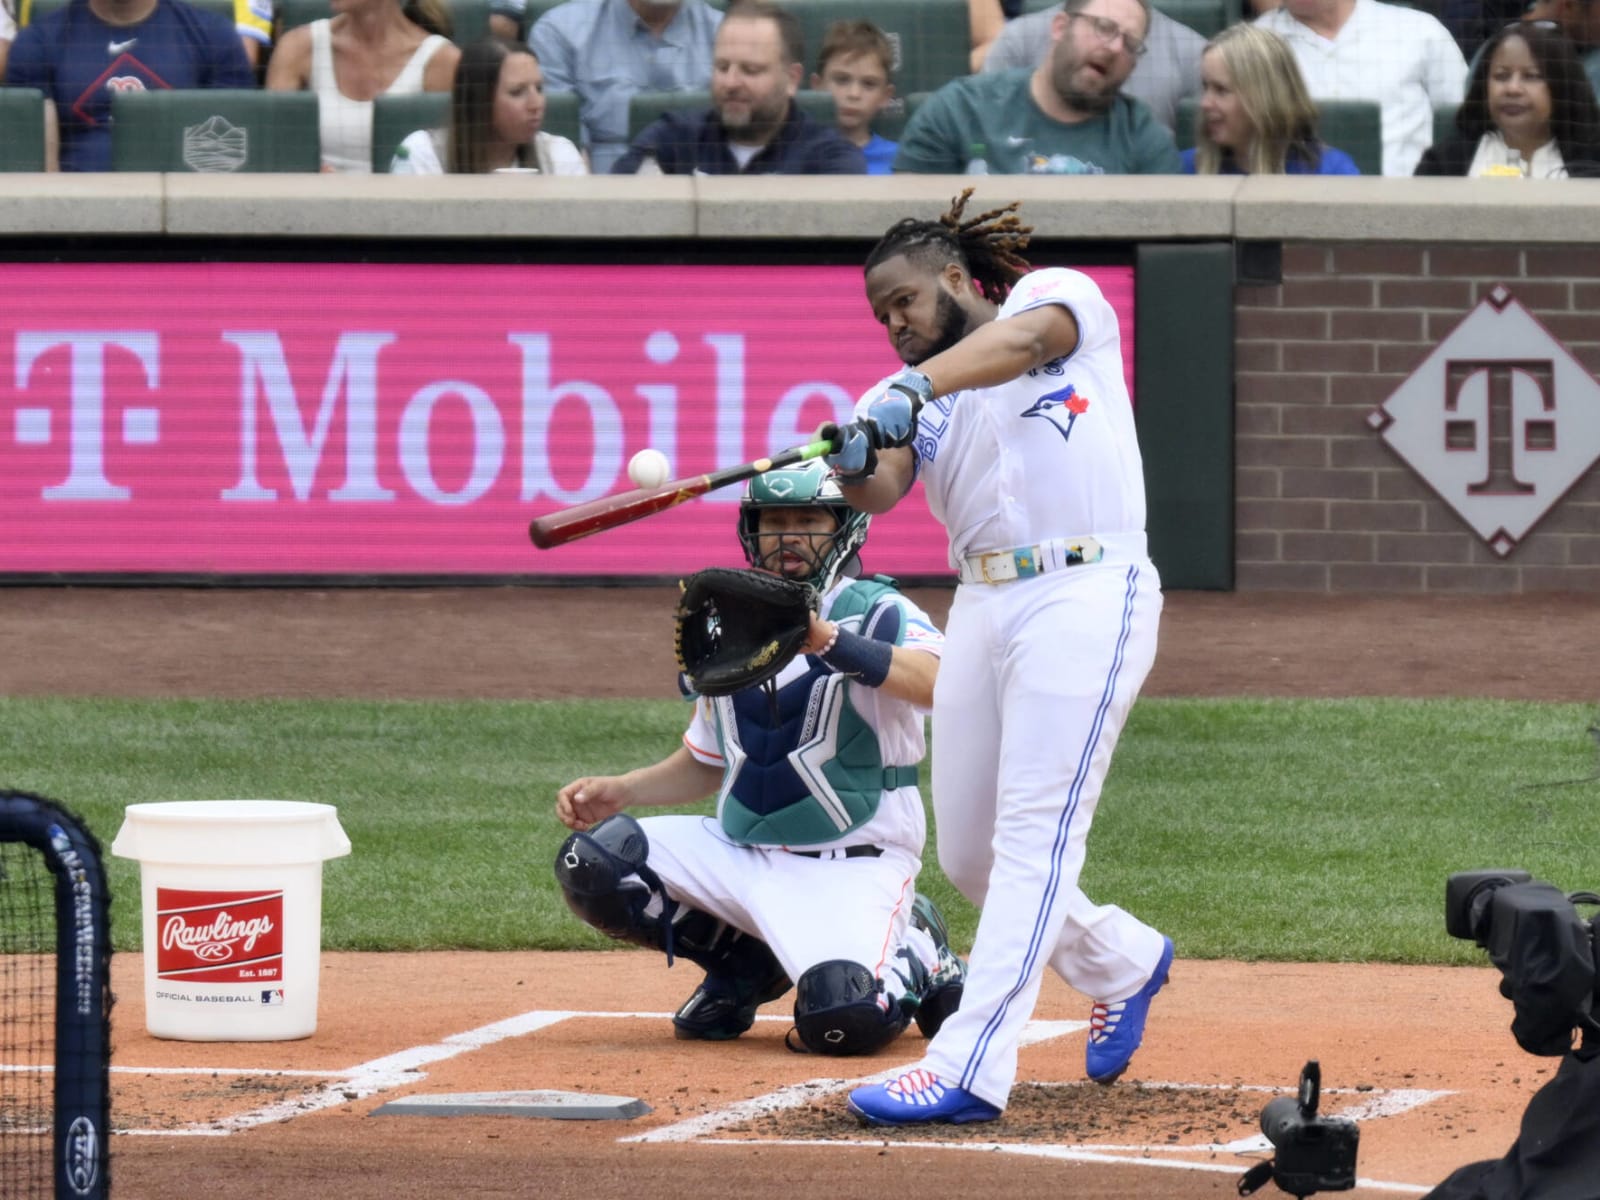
x=395 y=118
x=891 y=122
x=930 y=36
x=817 y=105
x=645 y=107
x=29 y=11
x=469 y=19
x=1206 y=17
x=1183 y=131
x=1354 y=126
x=215 y=130
x=561 y=116
x=21 y=129
x=1444 y=122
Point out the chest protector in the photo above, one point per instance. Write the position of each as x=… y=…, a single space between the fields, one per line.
x=803 y=766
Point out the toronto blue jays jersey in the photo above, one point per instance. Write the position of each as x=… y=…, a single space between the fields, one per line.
x=80 y=62
x=1049 y=454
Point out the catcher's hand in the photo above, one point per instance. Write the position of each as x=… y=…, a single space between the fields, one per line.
x=737 y=628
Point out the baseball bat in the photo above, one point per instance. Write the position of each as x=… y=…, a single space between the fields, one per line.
x=608 y=512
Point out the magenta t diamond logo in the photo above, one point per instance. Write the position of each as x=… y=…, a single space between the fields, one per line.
x=1500 y=420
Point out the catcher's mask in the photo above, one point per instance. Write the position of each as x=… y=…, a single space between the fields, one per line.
x=808 y=485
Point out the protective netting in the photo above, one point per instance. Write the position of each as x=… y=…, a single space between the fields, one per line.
x=27 y=1021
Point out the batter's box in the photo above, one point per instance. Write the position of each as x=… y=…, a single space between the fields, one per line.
x=1139 y=1116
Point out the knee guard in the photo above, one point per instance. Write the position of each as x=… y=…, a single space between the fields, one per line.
x=841 y=1008
x=602 y=876
x=608 y=886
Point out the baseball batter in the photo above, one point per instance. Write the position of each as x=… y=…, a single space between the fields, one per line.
x=807 y=872
x=1019 y=425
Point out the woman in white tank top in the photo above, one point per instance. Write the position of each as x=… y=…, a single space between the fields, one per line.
x=368 y=48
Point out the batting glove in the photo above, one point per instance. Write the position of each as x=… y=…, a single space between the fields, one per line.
x=856 y=459
x=893 y=415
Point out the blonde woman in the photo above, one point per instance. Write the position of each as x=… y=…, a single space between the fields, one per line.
x=1256 y=117
x=368 y=48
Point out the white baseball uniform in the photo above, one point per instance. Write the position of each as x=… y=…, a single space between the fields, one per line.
x=1038 y=674
x=809 y=909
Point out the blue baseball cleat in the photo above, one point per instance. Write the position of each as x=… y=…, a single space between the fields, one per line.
x=919 y=1097
x=1115 y=1030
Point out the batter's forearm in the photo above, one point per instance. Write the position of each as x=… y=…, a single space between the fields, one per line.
x=882 y=491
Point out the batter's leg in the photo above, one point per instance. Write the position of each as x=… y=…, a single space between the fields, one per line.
x=1068 y=682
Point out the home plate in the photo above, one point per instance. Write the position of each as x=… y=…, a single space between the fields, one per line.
x=561 y=1106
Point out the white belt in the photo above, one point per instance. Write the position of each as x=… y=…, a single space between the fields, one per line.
x=1024 y=562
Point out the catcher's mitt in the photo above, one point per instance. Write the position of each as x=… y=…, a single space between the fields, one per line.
x=737 y=628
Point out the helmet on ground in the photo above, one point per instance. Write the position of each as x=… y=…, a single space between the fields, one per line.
x=806 y=485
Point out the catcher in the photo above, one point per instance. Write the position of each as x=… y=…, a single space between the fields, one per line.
x=810 y=690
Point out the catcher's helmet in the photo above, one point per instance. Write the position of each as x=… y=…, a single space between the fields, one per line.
x=807 y=485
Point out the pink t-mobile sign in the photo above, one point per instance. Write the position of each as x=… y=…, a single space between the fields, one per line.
x=377 y=419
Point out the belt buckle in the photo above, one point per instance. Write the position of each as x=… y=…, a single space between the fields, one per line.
x=998 y=557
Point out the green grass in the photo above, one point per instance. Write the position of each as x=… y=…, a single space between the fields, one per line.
x=1285 y=830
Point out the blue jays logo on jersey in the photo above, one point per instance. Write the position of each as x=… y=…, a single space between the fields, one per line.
x=1053 y=405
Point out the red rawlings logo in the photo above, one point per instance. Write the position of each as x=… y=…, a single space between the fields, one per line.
x=219 y=937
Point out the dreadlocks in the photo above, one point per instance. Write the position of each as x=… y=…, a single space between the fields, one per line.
x=987 y=246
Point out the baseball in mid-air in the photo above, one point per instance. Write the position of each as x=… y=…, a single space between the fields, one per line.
x=649 y=468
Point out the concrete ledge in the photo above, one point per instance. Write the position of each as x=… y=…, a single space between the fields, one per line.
x=1370 y=209
x=1078 y=208
x=444 y=206
x=109 y=204
x=1120 y=207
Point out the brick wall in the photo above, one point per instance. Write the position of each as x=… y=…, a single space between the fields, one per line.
x=1321 y=502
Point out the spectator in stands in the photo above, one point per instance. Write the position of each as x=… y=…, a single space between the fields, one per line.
x=1256 y=117
x=368 y=48
x=1473 y=22
x=78 y=55
x=1400 y=58
x=1067 y=116
x=8 y=34
x=856 y=65
x=1168 y=71
x=507 y=19
x=1529 y=111
x=753 y=126
x=253 y=21
x=986 y=20
x=496 y=109
x=1580 y=21
x=609 y=50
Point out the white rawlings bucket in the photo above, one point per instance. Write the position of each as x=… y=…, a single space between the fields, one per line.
x=232 y=899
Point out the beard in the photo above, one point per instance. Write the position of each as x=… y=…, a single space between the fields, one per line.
x=953 y=326
x=1064 y=67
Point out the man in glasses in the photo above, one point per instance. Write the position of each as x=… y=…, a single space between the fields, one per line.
x=1068 y=116
x=1167 y=73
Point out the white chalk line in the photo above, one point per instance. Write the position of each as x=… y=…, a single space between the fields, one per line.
x=404 y=1068
x=699 y=1130
x=1059 y=1153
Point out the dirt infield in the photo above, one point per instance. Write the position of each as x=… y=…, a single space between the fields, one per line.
x=1422 y=1055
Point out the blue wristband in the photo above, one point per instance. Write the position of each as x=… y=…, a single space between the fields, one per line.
x=867 y=659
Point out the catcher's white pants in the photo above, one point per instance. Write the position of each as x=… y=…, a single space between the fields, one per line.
x=808 y=910
x=1037 y=679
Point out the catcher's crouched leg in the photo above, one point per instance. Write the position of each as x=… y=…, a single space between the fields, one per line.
x=607 y=884
x=600 y=875
x=841 y=1008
